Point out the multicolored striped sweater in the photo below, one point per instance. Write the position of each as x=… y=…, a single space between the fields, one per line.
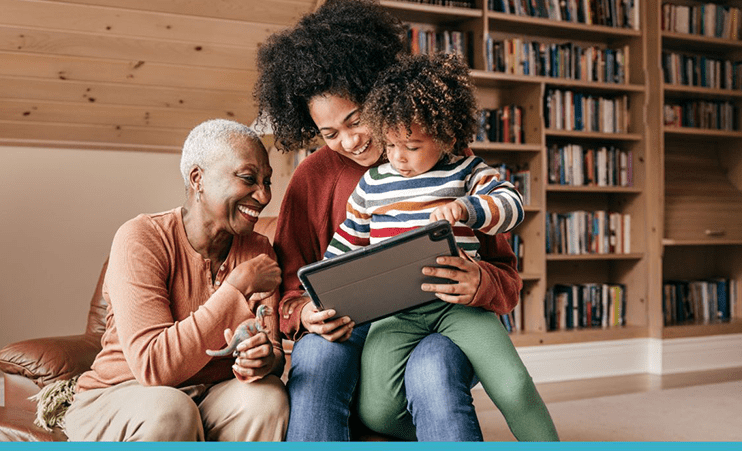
x=385 y=203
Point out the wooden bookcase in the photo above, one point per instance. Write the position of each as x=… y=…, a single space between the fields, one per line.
x=685 y=201
x=497 y=89
x=698 y=186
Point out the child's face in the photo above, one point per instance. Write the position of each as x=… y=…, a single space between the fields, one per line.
x=412 y=154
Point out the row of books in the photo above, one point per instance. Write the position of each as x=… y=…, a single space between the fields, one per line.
x=450 y=3
x=585 y=305
x=429 y=41
x=612 y=13
x=518 y=246
x=699 y=301
x=706 y=114
x=575 y=165
x=588 y=232
x=578 y=111
x=519 y=176
x=513 y=321
x=700 y=70
x=502 y=125
x=568 y=60
x=710 y=19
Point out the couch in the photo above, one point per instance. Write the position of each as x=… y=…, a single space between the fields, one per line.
x=30 y=365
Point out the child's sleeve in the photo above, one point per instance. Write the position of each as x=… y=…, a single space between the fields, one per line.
x=355 y=231
x=494 y=206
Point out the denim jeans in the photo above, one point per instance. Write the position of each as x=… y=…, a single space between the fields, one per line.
x=438 y=381
x=322 y=381
x=324 y=375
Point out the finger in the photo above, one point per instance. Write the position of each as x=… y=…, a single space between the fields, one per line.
x=457 y=262
x=454 y=299
x=320 y=317
x=339 y=333
x=255 y=340
x=251 y=374
x=450 y=217
x=260 y=352
x=454 y=275
x=346 y=336
x=444 y=288
x=228 y=335
x=331 y=327
x=259 y=296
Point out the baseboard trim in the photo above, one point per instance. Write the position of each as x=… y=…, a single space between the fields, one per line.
x=680 y=355
x=554 y=363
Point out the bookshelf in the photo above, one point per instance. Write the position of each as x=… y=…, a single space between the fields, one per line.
x=698 y=191
x=525 y=82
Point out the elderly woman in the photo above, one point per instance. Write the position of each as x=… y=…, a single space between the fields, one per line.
x=177 y=284
x=313 y=80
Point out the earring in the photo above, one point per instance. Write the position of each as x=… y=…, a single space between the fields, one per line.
x=198 y=195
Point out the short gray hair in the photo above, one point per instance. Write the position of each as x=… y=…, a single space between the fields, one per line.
x=210 y=140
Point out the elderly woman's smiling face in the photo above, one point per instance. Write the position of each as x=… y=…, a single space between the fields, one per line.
x=236 y=187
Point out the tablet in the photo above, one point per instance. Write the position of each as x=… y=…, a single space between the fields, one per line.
x=382 y=279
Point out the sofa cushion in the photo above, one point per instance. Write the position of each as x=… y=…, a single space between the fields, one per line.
x=44 y=360
x=16 y=425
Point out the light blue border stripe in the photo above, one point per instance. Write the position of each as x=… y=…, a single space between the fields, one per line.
x=499 y=446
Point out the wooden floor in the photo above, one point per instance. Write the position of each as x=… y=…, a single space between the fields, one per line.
x=617 y=385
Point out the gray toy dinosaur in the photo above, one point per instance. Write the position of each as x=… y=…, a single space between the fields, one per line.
x=244 y=331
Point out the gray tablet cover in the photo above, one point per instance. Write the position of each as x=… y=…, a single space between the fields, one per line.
x=381 y=279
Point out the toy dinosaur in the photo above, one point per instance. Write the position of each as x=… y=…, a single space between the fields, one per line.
x=244 y=331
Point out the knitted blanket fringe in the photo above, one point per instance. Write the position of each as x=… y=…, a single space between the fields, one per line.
x=52 y=403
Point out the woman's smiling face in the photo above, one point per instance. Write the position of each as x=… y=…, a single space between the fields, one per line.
x=237 y=187
x=339 y=123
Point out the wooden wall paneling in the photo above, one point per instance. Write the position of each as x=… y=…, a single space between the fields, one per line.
x=32 y=111
x=126 y=48
x=282 y=12
x=139 y=66
x=109 y=21
x=92 y=136
x=231 y=102
x=128 y=72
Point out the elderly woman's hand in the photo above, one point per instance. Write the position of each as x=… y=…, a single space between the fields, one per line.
x=464 y=273
x=258 y=276
x=256 y=357
x=316 y=322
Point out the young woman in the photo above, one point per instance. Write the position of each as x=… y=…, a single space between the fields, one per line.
x=312 y=82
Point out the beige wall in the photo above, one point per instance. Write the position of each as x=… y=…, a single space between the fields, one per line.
x=59 y=209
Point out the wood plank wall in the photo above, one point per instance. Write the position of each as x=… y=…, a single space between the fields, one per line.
x=129 y=74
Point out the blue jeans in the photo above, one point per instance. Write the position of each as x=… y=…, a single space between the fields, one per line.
x=324 y=375
x=438 y=380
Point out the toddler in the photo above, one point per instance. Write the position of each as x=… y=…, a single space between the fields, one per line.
x=424 y=112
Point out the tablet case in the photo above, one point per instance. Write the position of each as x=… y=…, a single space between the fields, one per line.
x=381 y=279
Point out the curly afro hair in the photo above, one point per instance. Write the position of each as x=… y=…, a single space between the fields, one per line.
x=339 y=49
x=434 y=92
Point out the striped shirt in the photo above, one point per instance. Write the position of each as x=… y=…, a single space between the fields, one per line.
x=385 y=203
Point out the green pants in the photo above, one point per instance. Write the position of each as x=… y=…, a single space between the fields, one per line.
x=484 y=341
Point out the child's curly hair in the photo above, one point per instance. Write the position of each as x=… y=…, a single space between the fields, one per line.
x=435 y=92
x=339 y=49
